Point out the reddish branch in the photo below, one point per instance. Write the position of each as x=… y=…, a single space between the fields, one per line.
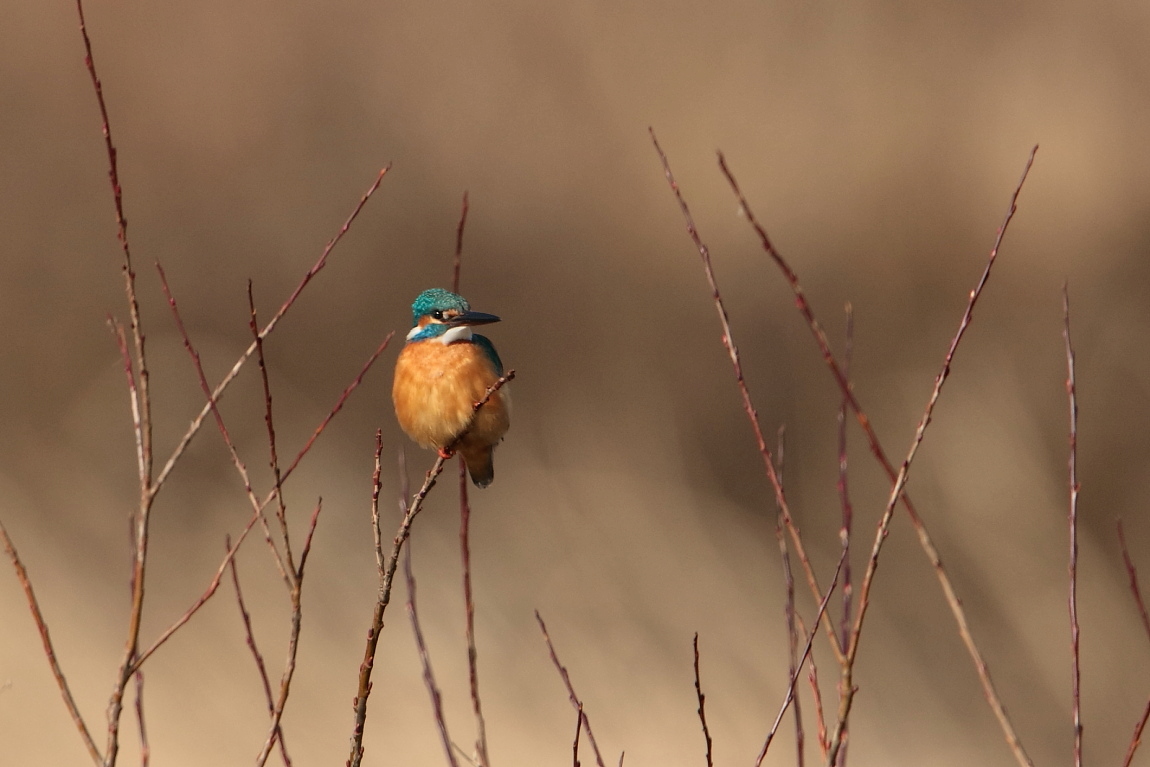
x=847 y=686
x=1132 y=573
x=469 y=609
x=425 y=661
x=748 y=405
x=465 y=544
x=49 y=652
x=789 y=601
x=218 y=392
x=790 y=696
x=575 y=700
x=387 y=568
x=702 y=703
x=1072 y=462
x=898 y=478
x=258 y=657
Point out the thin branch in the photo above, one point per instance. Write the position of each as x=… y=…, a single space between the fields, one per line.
x=142 y=400
x=293 y=641
x=843 y=488
x=469 y=608
x=578 y=730
x=1132 y=573
x=208 y=593
x=145 y=750
x=256 y=655
x=575 y=701
x=218 y=392
x=789 y=601
x=925 y=541
x=273 y=461
x=817 y=695
x=702 y=703
x=790 y=696
x=736 y=364
x=1072 y=463
x=141 y=412
x=387 y=570
x=896 y=491
x=459 y=245
x=425 y=660
x=49 y=651
x=1136 y=740
x=382 y=600
x=257 y=507
x=339 y=403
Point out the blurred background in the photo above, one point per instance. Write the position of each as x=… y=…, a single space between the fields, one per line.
x=878 y=142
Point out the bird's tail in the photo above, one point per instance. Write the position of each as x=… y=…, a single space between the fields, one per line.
x=480 y=465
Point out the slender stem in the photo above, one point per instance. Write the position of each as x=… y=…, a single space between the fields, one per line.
x=575 y=701
x=748 y=405
x=790 y=696
x=469 y=608
x=924 y=538
x=387 y=569
x=702 y=703
x=218 y=392
x=425 y=661
x=847 y=686
x=1072 y=463
x=49 y=650
x=1132 y=573
x=258 y=657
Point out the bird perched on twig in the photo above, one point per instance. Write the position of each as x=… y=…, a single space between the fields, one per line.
x=442 y=372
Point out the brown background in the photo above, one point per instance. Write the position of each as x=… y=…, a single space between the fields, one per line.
x=878 y=141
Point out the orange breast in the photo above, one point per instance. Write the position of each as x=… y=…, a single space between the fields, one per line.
x=436 y=388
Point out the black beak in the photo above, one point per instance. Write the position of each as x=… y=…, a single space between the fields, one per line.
x=472 y=318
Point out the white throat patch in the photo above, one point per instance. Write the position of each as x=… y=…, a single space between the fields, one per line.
x=458 y=333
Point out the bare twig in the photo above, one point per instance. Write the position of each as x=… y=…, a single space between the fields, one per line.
x=789 y=601
x=293 y=641
x=218 y=392
x=387 y=570
x=702 y=703
x=844 y=491
x=848 y=690
x=790 y=696
x=469 y=608
x=1072 y=462
x=256 y=655
x=425 y=660
x=49 y=651
x=465 y=542
x=748 y=406
x=1136 y=740
x=817 y=696
x=269 y=421
x=459 y=245
x=339 y=403
x=578 y=730
x=925 y=541
x=1132 y=573
x=285 y=572
x=141 y=414
x=145 y=750
x=208 y=593
x=575 y=700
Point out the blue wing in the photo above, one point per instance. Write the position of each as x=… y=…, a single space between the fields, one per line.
x=484 y=343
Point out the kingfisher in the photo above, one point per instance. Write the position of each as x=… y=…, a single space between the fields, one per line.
x=442 y=372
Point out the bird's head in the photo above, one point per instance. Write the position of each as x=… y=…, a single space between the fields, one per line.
x=444 y=316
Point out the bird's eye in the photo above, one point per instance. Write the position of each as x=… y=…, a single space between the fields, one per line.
x=437 y=314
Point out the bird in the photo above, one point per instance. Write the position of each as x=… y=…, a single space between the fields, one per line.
x=443 y=371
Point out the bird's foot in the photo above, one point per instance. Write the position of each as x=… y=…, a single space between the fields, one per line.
x=445 y=453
